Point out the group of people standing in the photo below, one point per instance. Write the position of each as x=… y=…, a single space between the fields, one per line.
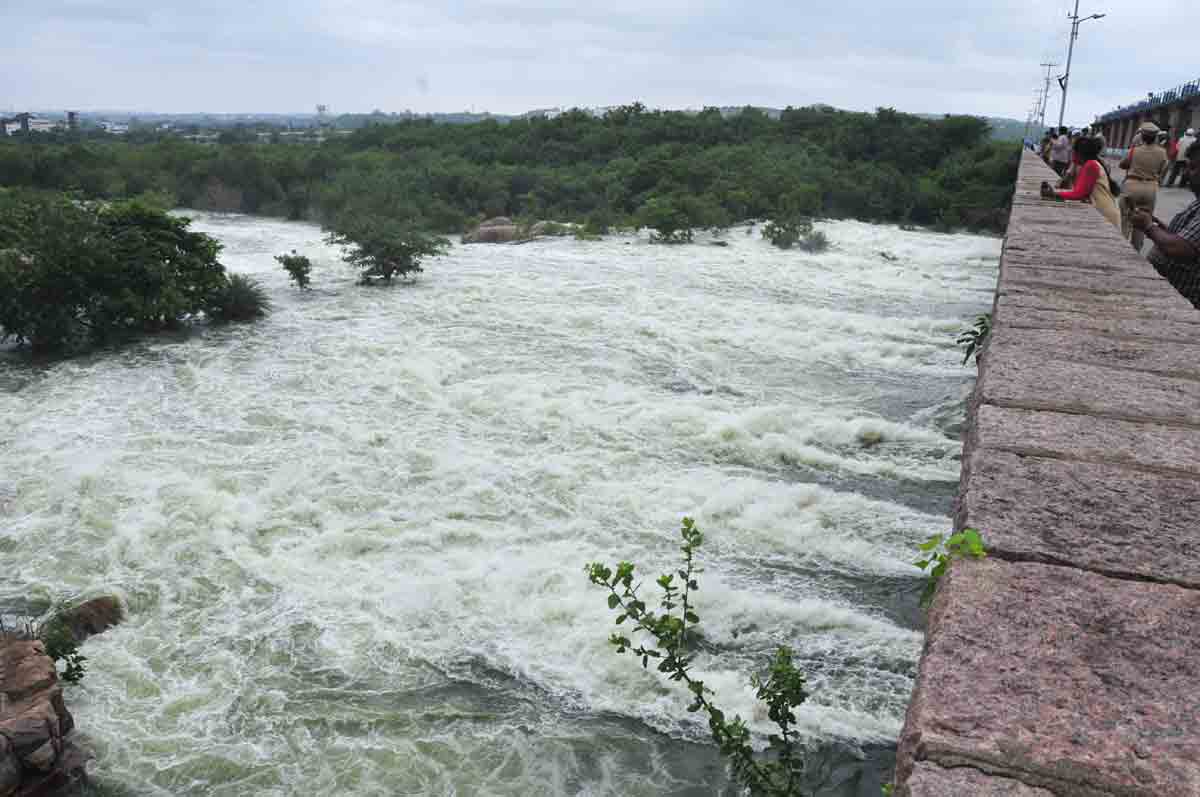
x=1154 y=160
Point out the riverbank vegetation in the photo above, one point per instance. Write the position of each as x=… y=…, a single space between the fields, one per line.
x=668 y=637
x=672 y=633
x=629 y=167
x=74 y=272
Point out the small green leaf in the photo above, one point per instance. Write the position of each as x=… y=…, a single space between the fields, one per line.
x=613 y=601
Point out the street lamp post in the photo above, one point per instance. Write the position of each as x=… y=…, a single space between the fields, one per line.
x=1065 y=80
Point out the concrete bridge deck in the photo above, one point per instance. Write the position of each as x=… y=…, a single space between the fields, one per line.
x=1067 y=662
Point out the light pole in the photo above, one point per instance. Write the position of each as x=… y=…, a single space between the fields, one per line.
x=1065 y=80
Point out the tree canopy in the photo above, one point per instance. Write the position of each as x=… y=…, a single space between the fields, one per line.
x=708 y=168
x=74 y=271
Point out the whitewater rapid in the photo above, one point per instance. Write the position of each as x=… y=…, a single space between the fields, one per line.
x=352 y=536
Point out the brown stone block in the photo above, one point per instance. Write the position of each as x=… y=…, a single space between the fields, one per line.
x=1059 y=678
x=1162 y=331
x=1106 y=518
x=1084 y=438
x=1043 y=277
x=25 y=669
x=1135 y=354
x=930 y=780
x=1076 y=263
x=31 y=724
x=1167 y=304
x=1011 y=379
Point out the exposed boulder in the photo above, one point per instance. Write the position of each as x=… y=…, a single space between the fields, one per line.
x=493 y=232
x=502 y=230
x=38 y=755
x=91 y=617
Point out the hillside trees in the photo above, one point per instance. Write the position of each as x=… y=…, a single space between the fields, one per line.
x=631 y=161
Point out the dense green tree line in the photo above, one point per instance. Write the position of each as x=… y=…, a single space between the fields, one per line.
x=701 y=169
x=75 y=272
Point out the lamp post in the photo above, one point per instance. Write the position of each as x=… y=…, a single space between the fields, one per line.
x=1065 y=80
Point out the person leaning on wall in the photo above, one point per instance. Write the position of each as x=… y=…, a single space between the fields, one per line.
x=1144 y=165
x=1176 y=252
x=1093 y=184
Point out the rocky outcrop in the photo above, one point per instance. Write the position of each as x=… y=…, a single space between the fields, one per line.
x=502 y=230
x=38 y=754
x=499 y=230
x=91 y=617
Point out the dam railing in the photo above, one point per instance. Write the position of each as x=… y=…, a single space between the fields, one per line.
x=1066 y=663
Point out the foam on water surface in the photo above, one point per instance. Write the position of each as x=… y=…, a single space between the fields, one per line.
x=352 y=536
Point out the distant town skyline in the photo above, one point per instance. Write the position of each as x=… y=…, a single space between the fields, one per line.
x=512 y=56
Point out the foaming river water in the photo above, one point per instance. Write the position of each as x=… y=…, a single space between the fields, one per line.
x=352 y=536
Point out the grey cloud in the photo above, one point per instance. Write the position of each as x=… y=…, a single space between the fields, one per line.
x=511 y=55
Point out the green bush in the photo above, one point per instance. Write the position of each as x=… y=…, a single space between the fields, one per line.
x=73 y=272
x=667 y=219
x=298 y=268
x=786 y=233
x=240 y=299
x=671 y=634
x=382 y=248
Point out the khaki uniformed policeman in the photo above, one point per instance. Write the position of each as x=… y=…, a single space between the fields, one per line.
x=1145 y=165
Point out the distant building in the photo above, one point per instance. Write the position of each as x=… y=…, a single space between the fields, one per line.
x=1174 y=109
x=29 y=123
x=114 y=128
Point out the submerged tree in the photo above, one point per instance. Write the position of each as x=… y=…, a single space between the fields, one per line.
x=298 y=268
x=382 y=248
x=73 y=272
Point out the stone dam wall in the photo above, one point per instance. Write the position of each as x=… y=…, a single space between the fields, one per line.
x=1068 y=661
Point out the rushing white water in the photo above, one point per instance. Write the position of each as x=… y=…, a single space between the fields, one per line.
x=352 y=536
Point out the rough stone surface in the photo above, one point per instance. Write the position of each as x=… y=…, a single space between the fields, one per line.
x=24 y=669
x=1059 y=678
x=1082 y=346
x=1155 y=330
x=930 y=780
x=492 y=234
x=1043 y=278
x=1064 y=663
x=1064 y=386
x=92 y=617
x=1099 y=517
x=10 y=769
x=37 y=754
x=1085 y=438
x=1111 y=305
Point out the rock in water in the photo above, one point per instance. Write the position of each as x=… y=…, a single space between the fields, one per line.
x=498 y=230
x=38 y=756
x=92 y=617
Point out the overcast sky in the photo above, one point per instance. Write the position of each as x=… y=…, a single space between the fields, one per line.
x=507 y=56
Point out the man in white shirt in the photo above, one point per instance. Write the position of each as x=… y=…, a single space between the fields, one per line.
x=1060 y=152
x=1179 y=169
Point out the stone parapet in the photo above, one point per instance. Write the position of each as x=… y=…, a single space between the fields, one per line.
x=1064 y=663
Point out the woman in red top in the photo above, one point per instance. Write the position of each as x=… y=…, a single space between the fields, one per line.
x=1092 y=184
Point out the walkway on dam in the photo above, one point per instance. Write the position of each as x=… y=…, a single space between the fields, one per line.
x=1068 y=661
